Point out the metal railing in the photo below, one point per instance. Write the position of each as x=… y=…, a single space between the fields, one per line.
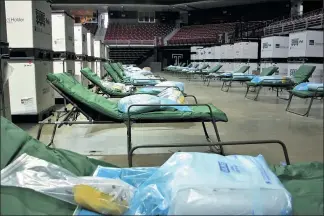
x=130 y=42
x=295 y=25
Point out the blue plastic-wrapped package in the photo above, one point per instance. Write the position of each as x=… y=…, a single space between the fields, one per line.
x=126 y=102
x=309 y=87
x=210 y=184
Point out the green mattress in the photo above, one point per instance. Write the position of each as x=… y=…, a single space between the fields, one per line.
x=109 y=108
x=304 y=181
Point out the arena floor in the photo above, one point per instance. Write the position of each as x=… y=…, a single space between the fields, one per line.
x=248 y=120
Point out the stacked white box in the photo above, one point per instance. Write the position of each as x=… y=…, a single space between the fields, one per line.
x=62 y=32
x=216 y=52
x=245 y=50
x=29 y=24
x=317 y=75
x=99 y=68
x=102 y=51
x=29 y=92
x=306 y=44
x=60 y=66
x=275 y=47
x=90 y=44
x=98 y=49
x=106 y=52
x=80 y=39
x=3 y=29
x=78 y=65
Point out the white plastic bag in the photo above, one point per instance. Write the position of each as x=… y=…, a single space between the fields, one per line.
x=126 y=102
x=47 y=178
x=211 y=184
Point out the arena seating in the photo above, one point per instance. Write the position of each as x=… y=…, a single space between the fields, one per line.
x=137 y=32
x=200 y=34
x=92 y=27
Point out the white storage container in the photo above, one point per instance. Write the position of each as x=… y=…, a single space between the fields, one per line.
x=30 y=93
x=90 y=44
x=216 y=52
x=306 y=44
x=5 y=108
x=99 y=68
x=29 y=24
x=62 y=32
x=91 y=65
x=98 y=49
x=245 y=50
x=103 y=51
x=106 y=52
x=80 y=39
x=3 y=29
x=60 y=66
x=78 y=65
x=317 y=75
x=227 y=51
x=275 y=47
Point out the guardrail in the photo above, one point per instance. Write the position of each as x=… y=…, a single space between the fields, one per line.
x=130 y=42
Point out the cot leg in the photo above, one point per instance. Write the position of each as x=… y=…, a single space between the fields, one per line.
x=209 y=81
x=205 y=131
x=301 y=114
x=39 y=132
x=54 y=130
x=129 y=143
x=258 y=92
x=219 y=148
x=226 y=85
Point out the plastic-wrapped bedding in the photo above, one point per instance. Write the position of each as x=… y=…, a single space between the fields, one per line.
x=238 y=76
x=119 y=87
x=211 y=184
x=126 y=102
x=180 y=85
x=103 y=195
x=173 y=96
x=309 y=87
x=270 y=79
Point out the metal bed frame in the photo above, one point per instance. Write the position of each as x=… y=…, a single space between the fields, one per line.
x=230 y=143
x=70 y=118
x=317 y=95
x=270 y=85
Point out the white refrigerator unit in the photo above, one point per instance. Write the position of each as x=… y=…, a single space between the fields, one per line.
x=80 y=39
x=30 y=94
x=29 y=24
x=62 y=32
x=306 y=44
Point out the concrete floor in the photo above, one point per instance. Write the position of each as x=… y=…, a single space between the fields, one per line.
x=248 y=120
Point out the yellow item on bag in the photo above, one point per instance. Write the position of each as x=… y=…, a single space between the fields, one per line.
x=92 y=199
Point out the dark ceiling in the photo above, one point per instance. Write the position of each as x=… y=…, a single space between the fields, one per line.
x=157 y=2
